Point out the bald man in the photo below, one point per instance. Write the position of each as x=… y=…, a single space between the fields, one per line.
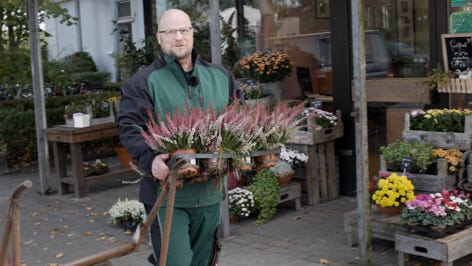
x=178 y=77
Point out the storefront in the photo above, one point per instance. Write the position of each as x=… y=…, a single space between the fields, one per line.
x=403 y=44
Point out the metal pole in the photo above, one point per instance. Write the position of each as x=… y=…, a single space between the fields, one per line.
x=362 y=159
x=38 y=88
x=215 y=33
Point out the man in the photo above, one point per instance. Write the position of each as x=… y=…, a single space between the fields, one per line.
x=177 y=77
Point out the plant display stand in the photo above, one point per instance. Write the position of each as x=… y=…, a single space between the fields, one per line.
x=291 y=192
x=427 y=183
x=381 y=226
x=445 y=140
x=447 y=249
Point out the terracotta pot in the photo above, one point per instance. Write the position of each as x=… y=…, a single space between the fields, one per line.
x=123 y=156
x=234 y=219
x=285 y=179
x=390 y=211
x=266 y=160
x=190 y=169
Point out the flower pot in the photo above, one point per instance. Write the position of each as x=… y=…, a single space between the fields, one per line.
x=234 y=219
x=390 y=211
x=285 y=179
x=272 y=88
x=190 y=169
x=123 y=156
x=266 y=160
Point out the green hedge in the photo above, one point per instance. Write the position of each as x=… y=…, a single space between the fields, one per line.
x=18 y=130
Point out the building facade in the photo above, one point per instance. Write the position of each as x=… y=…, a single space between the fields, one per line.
x=402 y=42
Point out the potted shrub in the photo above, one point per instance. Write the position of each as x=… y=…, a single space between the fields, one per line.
x=420 y=154
x=74 y=108
x=265 y=188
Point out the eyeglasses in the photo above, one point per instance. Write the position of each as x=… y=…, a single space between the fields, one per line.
x=172 y=33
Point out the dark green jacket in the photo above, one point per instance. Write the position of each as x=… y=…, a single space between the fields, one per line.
x=163 y=87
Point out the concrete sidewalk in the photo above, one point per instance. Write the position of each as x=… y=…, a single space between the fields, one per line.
x=56 y=229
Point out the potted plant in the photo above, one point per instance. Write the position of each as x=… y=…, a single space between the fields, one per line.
x=437 y=210
x=390 y=193
x=295 y=158
x=241 y=203
x=283 y=171
x=420 y=154
x=265 y=188
x=443 y=128
x=127 y=213
x=318 y=119
x=267 y=67
x=76 y=107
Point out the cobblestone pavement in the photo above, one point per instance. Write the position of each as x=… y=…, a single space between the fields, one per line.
x=56 y=229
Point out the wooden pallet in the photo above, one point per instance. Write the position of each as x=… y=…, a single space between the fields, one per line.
x=291 y=192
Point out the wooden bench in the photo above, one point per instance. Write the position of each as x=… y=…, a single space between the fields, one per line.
x=74 y=137
x=447 y=249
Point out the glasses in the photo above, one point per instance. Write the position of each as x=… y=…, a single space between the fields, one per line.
x=172 y=33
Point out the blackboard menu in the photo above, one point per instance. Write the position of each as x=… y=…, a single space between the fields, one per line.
x=457 y=51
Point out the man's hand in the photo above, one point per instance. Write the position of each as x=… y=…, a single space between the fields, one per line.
x=159 y=168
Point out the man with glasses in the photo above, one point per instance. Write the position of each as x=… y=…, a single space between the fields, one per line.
x=178 y=77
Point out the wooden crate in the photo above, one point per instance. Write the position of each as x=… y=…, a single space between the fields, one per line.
x=446 y=140
x=313 y=137
x=447 y=249
x=427 y=183
x=291 y=192
x=457 y=85
x=319 y=177
x=381 y=226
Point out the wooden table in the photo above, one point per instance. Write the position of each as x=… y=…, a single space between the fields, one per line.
x=75 y=137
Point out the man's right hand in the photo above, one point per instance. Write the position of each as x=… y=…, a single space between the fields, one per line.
x=159 y=168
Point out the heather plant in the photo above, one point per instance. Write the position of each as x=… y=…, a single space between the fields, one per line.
x=440 y=120
x=178 y=130
x=320 y=119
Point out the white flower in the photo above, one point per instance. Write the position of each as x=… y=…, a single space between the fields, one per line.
x=123 y=210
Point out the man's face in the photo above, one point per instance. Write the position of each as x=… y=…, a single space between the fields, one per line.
x=175 y=35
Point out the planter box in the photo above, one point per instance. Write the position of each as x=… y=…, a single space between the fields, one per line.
x=445 y=140
x=427 y=183
x=314 y=137
x=457 y=85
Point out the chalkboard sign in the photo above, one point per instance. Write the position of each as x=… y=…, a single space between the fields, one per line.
x=457 y=51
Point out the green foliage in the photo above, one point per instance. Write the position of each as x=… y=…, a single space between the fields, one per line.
x=440 y=120
x=18 y=120
x=230 y=48
x=265 y=188
x=438 y=77
x=131 y=58
x=421 y=155
x=79 y=62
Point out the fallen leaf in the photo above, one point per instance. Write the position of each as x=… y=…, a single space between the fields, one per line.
x=45 y=249
x=87 y=233
x=88 y=208
x=53 y=264
x=35 y=213
x=92 y=221
x=59 y=255
x=46 y=219
x=37 y=224
x=324 y=261
x=297 y=218
x=101 y=238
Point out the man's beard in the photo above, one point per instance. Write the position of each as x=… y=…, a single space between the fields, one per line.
x=182 y=56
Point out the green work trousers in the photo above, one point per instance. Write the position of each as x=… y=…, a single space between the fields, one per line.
x=192 y=235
